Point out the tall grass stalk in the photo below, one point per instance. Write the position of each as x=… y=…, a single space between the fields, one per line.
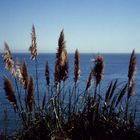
x=25 y=79
x=98 y=72
x=47 y=75
x=33 y=50
x=131 y=78
x=76 y=74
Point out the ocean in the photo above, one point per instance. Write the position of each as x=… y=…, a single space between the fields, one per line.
x=116 y=67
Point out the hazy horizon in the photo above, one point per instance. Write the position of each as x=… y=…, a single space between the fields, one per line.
x=81 y=52
x=92 y=26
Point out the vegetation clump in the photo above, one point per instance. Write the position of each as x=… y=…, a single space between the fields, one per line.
x=63 y=113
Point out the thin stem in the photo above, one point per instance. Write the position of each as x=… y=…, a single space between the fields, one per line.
x=37 y=82
x=49 y=95
x=75 y=86
x=126 y=110
x=59 y=99
x=95 y=92
x=18 y=94
x=48 y=91
x=25 y=99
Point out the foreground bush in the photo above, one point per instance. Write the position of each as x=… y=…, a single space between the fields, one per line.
x=64 y=112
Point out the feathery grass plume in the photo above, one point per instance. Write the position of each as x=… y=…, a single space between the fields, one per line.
x=61 y=64
x=25 y=74
x=33 y=47
x=19 y=72
x=61 y=40
x=89 y=81
x=99 y=69
x=76 y=66
x=122 y=92
x=64 y=65
x=56 y=75
x=30 y=95
x=131 y=74
x=10 y=92
x=33 y=50
x=47 y=74
x=131 y=90
x=9 y=60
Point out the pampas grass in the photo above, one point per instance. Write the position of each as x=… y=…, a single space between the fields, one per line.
x=33 y=47
x=131 y=74
x=76 y=66
x=19 y=72
x=66 y=113
x=9 y=60
x=25 y=74
x=131 y=78
x=33 y=50
x=90 y=79
x=98 y=72
x=99 y=69
x=61 y=63
x=10 y=92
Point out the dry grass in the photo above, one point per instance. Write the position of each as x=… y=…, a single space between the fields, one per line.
x=76 y=66
x=9 y=60
x=99 y=69
x=90 y=79
x=33 y=47
x=10 y=92
x=66 y=113
x=61 y=64
x=25 y=74
x=131 y=74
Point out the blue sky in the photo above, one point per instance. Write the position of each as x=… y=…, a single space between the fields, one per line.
x=89 y=25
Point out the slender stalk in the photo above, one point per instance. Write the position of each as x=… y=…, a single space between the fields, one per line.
x=56 y=115
x=37 y=81
x=25 y=99
x=126 y=110
x=59 y=100
x=75 y=85
x=18 y=94
x=95 y=93
x=63 y=93
x=49 y=95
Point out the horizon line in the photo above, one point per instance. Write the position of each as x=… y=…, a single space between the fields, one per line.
x=21 y=52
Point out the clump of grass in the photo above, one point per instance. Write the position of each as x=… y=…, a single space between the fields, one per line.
x=66 y=113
